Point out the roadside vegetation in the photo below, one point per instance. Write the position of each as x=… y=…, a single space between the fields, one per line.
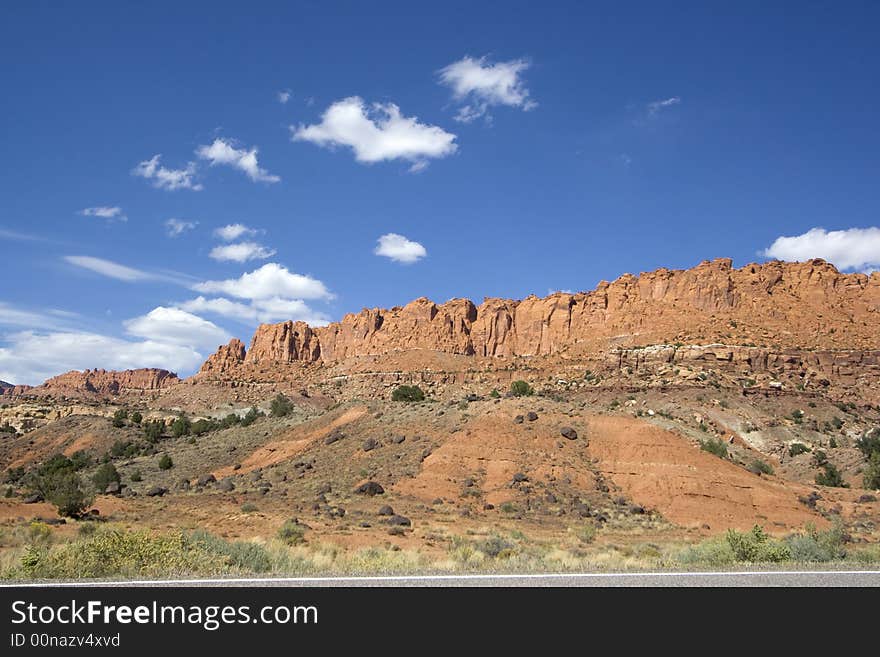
x=101 y=550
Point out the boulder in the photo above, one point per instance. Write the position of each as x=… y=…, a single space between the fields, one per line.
x=370 y=488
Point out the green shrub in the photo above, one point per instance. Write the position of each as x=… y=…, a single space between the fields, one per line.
x=714 y=446
x=831 y=476
x=136 y=417
x=587 y=533
x=250 y=417
x=521 y=388
x=407 y=394
x=872 y=472
x=199 y=427
x=756 y=546
x=180 y=427
x=81 y=459
x=281 y=406
x=63 y=488
x=248 y=507
x=816 y=546
x=119 y=417
x=153 y=430
x=126 y=448
x=759 y=467
x=104 y=476
x=14 y=475
x=797 y=448
x=114 y=552
x=165 y=462
x=136 y=476
x=495 y=394
x=230 y=420
x=292 y=533
x=713 y=552
x=497 y=547
x=869 y=443
x=55 y=464
x=242 y=555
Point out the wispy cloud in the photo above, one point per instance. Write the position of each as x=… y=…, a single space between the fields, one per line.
x=400 y=249
x=377 y=133
x=164 y=178
x=176 y=227
x=16 y=236
x=234 y=231
x=109 y=268
x=852 y=248
x=241 y=252
x=223 y=152
x=658 y=105
x=284 y=96
x=479 y=85
x=111 y=213
x=125 y=273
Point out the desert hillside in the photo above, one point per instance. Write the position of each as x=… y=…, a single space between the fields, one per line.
x=654 y=412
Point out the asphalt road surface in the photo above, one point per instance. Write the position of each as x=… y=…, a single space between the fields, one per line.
x=680 y=579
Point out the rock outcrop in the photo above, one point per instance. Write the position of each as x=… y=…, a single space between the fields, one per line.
x=106 y=382
x=225 y=358
x=780 y=305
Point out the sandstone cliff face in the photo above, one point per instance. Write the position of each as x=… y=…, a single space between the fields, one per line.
x=793 y=305
x=225 y=358
x=104 y=382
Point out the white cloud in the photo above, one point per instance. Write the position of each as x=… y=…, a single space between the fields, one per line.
x=274 y=309
x=377 y=134
x=109 y=268
x=20 y=237
x=233 y=232
x=241 y=252
x=223 y=152
x=270 y=280
x=170 y=179
x=657 y=105
x=177 y=226
x=32 y=358
x=12 y=316
x=105 y=212
x=284 y=96
x=176 y=326
x=853 y=248
x=481 y=85
x=400 y=249
x=220 y=306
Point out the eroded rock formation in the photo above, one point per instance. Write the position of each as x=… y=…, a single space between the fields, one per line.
x=781 y=305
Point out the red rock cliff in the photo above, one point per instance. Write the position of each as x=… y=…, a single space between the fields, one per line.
x=798 y=305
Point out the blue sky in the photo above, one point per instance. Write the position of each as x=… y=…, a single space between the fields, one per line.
x=495 y=149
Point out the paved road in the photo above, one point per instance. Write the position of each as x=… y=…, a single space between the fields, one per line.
x=750 y=578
